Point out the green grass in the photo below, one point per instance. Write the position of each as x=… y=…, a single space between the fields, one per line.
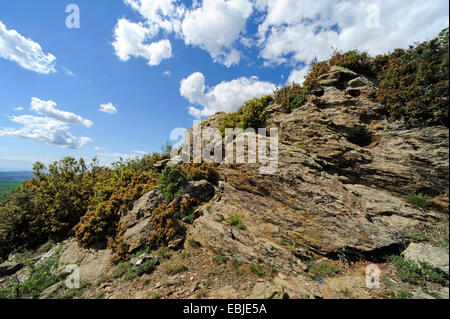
x=402 y=294
x=156 y=295
x=220 y=259
x=40 y=279
x=418 y=237
x=126 y=271
x=235 y=220
x=302 y=145
x=236 y=263
x=418 y=200
x=192 y=242
x=411 y=272
x=6 y=188
x=322 y=269
x=257 y=269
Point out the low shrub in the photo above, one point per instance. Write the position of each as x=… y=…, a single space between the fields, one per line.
x=257 y=269
x=250 y=115
x=418 y=200
x=172 y=181
x=235 y=220
x=202 y=171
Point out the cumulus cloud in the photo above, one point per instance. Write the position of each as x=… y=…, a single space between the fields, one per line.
x=295 y=31
x=212 y=25
x=130 y=41
x=215 y=26
x=108 y=108
x=45 y=129
x=160 y=14
x=298 y=75
x=225 y=96
x=52 y=127
x=49 y=109
x=27 y=53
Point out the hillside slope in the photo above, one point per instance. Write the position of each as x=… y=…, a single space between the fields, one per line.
x=351 y=189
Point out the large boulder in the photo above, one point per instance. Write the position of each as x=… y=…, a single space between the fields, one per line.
x=92 y=263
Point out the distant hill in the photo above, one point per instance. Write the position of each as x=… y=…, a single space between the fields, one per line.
x=15 y=176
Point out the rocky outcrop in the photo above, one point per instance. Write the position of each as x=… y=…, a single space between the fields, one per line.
x=138 y=222
x=92 y=263
x=343 y=171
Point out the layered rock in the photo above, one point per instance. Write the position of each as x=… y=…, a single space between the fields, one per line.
x=343 y=172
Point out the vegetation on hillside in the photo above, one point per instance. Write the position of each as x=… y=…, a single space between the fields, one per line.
x=250 y=115
x=71 y=197
x=413 y=83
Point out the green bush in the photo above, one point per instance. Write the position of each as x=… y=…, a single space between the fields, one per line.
x=359 y=62
x=172 y=181
x=251 y=115
x=300 y=99
x=414 y=83
x=287 y=94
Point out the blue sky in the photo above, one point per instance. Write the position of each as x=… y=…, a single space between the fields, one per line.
x=161 y=64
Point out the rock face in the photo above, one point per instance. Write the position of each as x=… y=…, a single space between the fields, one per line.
x=7 y=268
x=343 y=171
x=435 y=256
x=91 y=262
x=138 y=221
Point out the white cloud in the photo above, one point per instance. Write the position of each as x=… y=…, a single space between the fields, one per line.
x=167 y=73
x=225 y=96
x=215 y=26
x=160 y=14
x=68 y=72
x=212 y=25
x=295 y=31
x=27 y=53
x=52 y=128
x=298 y=75
x=45 y=129
x=98 y=148
x=140 y=152
x=130 y=41
x=108 y=108
x=109 y=158
x=49 y=109
x=19 y=108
